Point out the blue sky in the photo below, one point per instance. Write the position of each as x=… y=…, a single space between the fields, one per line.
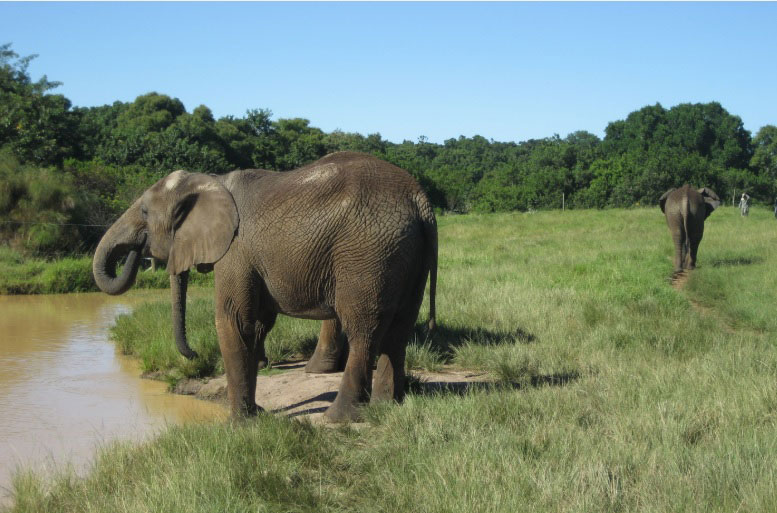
x=506 y=71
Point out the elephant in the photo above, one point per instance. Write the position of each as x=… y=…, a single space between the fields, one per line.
x=686 y=209
x=349 y=239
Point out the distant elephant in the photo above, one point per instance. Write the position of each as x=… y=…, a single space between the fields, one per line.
x=686 y=209
x=348 y=239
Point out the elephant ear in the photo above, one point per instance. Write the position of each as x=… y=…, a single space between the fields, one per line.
x=205 y=220
x=662 y=200
x=711 y=200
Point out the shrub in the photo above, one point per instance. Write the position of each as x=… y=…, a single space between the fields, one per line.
x=68 y=275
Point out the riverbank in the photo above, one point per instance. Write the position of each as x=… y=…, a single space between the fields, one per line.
x=614 y=391
x=27 y=275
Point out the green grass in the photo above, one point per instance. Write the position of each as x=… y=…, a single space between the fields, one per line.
x=615 y=392
x=147 y=334
x=738 y=281
x=26 y=275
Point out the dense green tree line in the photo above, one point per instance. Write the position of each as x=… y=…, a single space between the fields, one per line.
x=82 y=166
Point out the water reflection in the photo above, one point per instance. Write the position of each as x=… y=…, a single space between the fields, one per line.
x=63 y=387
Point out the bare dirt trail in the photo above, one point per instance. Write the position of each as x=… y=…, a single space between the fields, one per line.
x=294 y=393
x=679 y=281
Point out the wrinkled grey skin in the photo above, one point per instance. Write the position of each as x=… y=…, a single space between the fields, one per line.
x=349 y=240
x=686 y=209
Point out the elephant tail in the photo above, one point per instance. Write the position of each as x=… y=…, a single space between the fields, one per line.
x=429 y=223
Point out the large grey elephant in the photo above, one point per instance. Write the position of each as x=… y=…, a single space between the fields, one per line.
x=349 y=239
x=686 y=209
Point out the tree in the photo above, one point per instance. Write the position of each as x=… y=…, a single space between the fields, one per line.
x=39 y=127
x=764 y=161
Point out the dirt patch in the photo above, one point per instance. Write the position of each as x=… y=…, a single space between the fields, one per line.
x=289 y=390
x=679 y=280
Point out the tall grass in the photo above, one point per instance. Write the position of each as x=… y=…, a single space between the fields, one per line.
x=27 y=275
x=146 y=333
x=618 y=394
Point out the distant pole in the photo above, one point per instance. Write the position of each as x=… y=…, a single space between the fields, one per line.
x=562 y=201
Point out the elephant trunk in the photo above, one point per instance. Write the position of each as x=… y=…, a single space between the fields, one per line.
x=124 y=237
x=178 y=285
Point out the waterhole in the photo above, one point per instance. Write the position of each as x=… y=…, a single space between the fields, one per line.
x=64 y=388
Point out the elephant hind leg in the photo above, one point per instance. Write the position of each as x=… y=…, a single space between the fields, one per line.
x=692 y=251
x=356 y=385
x=680 y=249
x=389 y=381
x=330 y=349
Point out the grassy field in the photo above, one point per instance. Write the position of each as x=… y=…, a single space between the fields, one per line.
x=616 y=392
x=24 y=275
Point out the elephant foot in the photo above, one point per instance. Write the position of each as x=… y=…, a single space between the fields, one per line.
x=322 y=365
x=326 y=362
x=246 y=412
x=342 y=413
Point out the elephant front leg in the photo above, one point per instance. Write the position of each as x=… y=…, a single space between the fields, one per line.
x=328 y=356
x=242 y=347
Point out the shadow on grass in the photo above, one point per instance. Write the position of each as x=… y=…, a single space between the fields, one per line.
x=420 y=387
x=445 y=339
x=735 y=261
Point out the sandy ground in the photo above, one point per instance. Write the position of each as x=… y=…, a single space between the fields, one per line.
x=294 y=393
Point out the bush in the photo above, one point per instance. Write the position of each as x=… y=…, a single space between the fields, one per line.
x=68 y=275
x=27 y=275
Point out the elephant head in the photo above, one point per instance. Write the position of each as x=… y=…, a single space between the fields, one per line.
x=711 y=200
x=185 y=219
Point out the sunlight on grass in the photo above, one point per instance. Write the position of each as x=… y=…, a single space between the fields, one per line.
x=610 y=391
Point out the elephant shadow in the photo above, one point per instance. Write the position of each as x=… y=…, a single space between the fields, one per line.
x=328 y=397
x=445 y=339
x=439 y=387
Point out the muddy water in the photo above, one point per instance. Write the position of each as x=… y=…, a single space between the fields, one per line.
x=64 y=389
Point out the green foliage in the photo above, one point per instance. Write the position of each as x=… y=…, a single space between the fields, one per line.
x=37 y=126
x=764 y=159
x=20 y=274
x=39 y=208
x=68 y=275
